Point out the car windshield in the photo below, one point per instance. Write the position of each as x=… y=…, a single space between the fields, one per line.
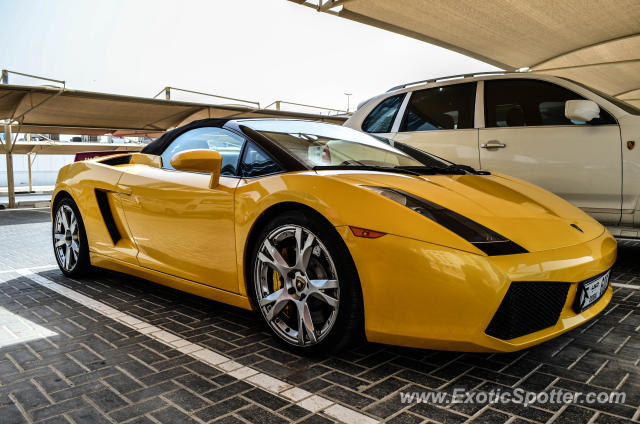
x=319 y=145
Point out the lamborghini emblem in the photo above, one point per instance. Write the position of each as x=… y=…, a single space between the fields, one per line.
x=300 y=283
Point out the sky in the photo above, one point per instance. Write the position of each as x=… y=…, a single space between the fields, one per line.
x=260 y=50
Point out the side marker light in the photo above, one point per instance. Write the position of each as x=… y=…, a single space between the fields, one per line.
x=364 y=233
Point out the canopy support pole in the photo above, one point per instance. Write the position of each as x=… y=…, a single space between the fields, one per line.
x=29 y=170
x=8 y=146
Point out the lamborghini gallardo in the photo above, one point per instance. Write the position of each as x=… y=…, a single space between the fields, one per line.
x=332 y=235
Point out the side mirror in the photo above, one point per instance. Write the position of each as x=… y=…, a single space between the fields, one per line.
x=206 y=161
x=581 y=110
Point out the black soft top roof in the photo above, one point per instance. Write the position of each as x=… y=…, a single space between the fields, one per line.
x=158 y=146
x=286 y=160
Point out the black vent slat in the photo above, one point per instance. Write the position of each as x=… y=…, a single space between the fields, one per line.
x=107 y=216
x=528 y=306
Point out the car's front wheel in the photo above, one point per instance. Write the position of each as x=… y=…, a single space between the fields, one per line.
x=304 y=284
x=69 y=239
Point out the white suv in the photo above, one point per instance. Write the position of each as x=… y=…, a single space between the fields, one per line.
x=561 y=135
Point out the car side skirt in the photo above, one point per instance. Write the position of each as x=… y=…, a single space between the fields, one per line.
x=177 y=283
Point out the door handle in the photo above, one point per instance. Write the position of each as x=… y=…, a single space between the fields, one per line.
x=493 y=144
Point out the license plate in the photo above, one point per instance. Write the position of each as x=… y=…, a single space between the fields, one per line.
x=590 y=291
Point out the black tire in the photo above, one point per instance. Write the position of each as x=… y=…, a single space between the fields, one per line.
x=348 y=326
x=82 y=264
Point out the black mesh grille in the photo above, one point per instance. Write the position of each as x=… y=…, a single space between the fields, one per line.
x=528 y=306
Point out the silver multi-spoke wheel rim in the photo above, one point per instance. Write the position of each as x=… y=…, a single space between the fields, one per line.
x=66 y=238
x=296 y=284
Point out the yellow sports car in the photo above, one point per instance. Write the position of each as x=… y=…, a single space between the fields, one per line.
x=331 y=234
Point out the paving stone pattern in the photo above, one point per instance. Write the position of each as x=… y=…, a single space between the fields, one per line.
x=94 y=370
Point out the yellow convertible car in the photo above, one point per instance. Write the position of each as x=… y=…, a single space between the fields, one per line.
x=331 y=234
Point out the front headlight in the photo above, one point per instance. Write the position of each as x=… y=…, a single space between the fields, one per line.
x=480 y=236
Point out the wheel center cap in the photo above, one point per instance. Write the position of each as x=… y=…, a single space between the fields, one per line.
x=301 y=283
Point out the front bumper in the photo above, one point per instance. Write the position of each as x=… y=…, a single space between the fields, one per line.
x=423 y=295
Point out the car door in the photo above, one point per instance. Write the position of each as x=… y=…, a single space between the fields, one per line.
x=528 y=136
x=180 y=225
x=440 y=121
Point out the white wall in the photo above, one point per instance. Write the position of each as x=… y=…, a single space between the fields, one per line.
x=44 y=170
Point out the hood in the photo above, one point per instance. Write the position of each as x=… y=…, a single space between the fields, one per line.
x=532 y=217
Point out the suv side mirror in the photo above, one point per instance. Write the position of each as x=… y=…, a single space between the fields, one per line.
x=581 y=110
x=200 y=160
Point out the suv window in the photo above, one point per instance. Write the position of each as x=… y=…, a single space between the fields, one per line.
x=442 y=108
x=528 y=102
x=228 y=144
x=256 y=163
x=381 y=119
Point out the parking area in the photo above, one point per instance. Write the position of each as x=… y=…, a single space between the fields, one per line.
x=113 y=348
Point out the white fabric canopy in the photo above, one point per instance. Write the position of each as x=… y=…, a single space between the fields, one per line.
x=44 y=109
x=596 y=43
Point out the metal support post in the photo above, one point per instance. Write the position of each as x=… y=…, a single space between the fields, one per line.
x=29 y=170
x=8 y=147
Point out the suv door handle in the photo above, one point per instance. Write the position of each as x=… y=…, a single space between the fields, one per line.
x=493 y=144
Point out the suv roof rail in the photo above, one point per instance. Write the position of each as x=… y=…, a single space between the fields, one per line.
x=459 y=76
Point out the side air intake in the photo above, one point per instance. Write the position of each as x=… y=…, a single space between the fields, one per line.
x=107 y=216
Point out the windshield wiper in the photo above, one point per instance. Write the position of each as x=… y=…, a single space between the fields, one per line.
x=468 y=169
x=453 y=169
x=398 y=170
x=433 y=170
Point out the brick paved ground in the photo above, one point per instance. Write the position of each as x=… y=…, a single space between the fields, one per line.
x=26 y=238
x=96 y=370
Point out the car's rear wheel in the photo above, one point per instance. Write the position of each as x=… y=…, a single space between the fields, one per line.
x=304 y=284
x=69 y=239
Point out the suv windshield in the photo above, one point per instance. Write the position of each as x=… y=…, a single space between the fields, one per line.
x=320 y=145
